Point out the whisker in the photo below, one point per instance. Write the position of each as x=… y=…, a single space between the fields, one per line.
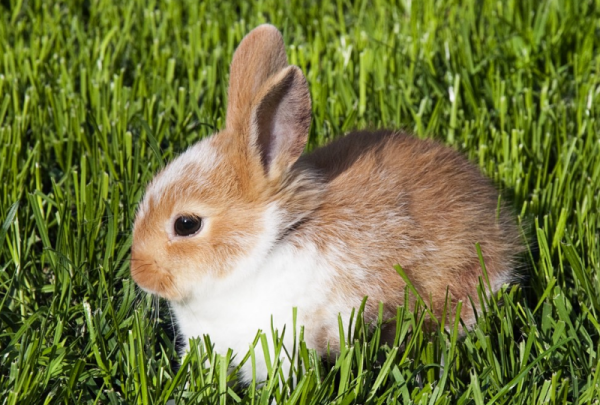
x=140 y=269
x=156 y=301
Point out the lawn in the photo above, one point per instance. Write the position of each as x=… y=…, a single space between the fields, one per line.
x=97 y=95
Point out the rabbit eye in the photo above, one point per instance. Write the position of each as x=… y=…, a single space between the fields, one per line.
x=186 y=226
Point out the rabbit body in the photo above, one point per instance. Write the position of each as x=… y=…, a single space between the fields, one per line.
x=317 y=232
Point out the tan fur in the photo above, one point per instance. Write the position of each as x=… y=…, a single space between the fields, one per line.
x=367 y=201
x=235 y=190
x=261 y=53
x=395 y=199
x=227 y=194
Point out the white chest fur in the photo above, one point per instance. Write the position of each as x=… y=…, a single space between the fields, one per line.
x=231 y=310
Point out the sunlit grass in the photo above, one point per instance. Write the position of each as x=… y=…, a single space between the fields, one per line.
x=96 y=95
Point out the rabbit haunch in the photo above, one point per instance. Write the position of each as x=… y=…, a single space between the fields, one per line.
x=316 y=232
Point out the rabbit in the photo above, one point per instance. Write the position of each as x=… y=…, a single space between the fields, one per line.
x=241 y=228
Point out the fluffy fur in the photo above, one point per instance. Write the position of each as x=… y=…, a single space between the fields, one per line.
x=317 y=232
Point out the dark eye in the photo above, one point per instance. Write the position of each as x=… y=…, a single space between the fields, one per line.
x=186 y=226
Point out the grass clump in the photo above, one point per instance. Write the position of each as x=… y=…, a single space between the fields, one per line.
x=96 y=95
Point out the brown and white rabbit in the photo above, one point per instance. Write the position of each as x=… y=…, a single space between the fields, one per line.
x=240 y=228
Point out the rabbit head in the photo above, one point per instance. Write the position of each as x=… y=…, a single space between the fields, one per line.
x=219 y=202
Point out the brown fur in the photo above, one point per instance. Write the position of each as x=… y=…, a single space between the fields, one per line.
x=367 y=201
x=236 y=190
x=394 y=199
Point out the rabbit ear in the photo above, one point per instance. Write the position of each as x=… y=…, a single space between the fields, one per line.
x=260 y=55
x=280 y=120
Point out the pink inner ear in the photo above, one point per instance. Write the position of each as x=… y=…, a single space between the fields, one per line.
x=281 y=128
x=271 y=137
x=282 y=120
x=275 y=125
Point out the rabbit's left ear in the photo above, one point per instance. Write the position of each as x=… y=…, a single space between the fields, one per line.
x=280 y=120
x=260 y=55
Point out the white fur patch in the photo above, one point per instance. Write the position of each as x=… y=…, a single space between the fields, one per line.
x=202 y=157
x=263 y=285
x=231 y=311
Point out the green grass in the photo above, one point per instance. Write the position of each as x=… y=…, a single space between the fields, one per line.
x=95 y=96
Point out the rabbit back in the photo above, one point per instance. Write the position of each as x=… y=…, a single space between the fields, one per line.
x=393 y=199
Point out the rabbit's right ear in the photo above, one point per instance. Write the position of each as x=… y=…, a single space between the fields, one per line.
x=280 y=121
x=260 y=55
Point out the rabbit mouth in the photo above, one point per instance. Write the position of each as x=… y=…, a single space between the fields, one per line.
x=154 y=279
